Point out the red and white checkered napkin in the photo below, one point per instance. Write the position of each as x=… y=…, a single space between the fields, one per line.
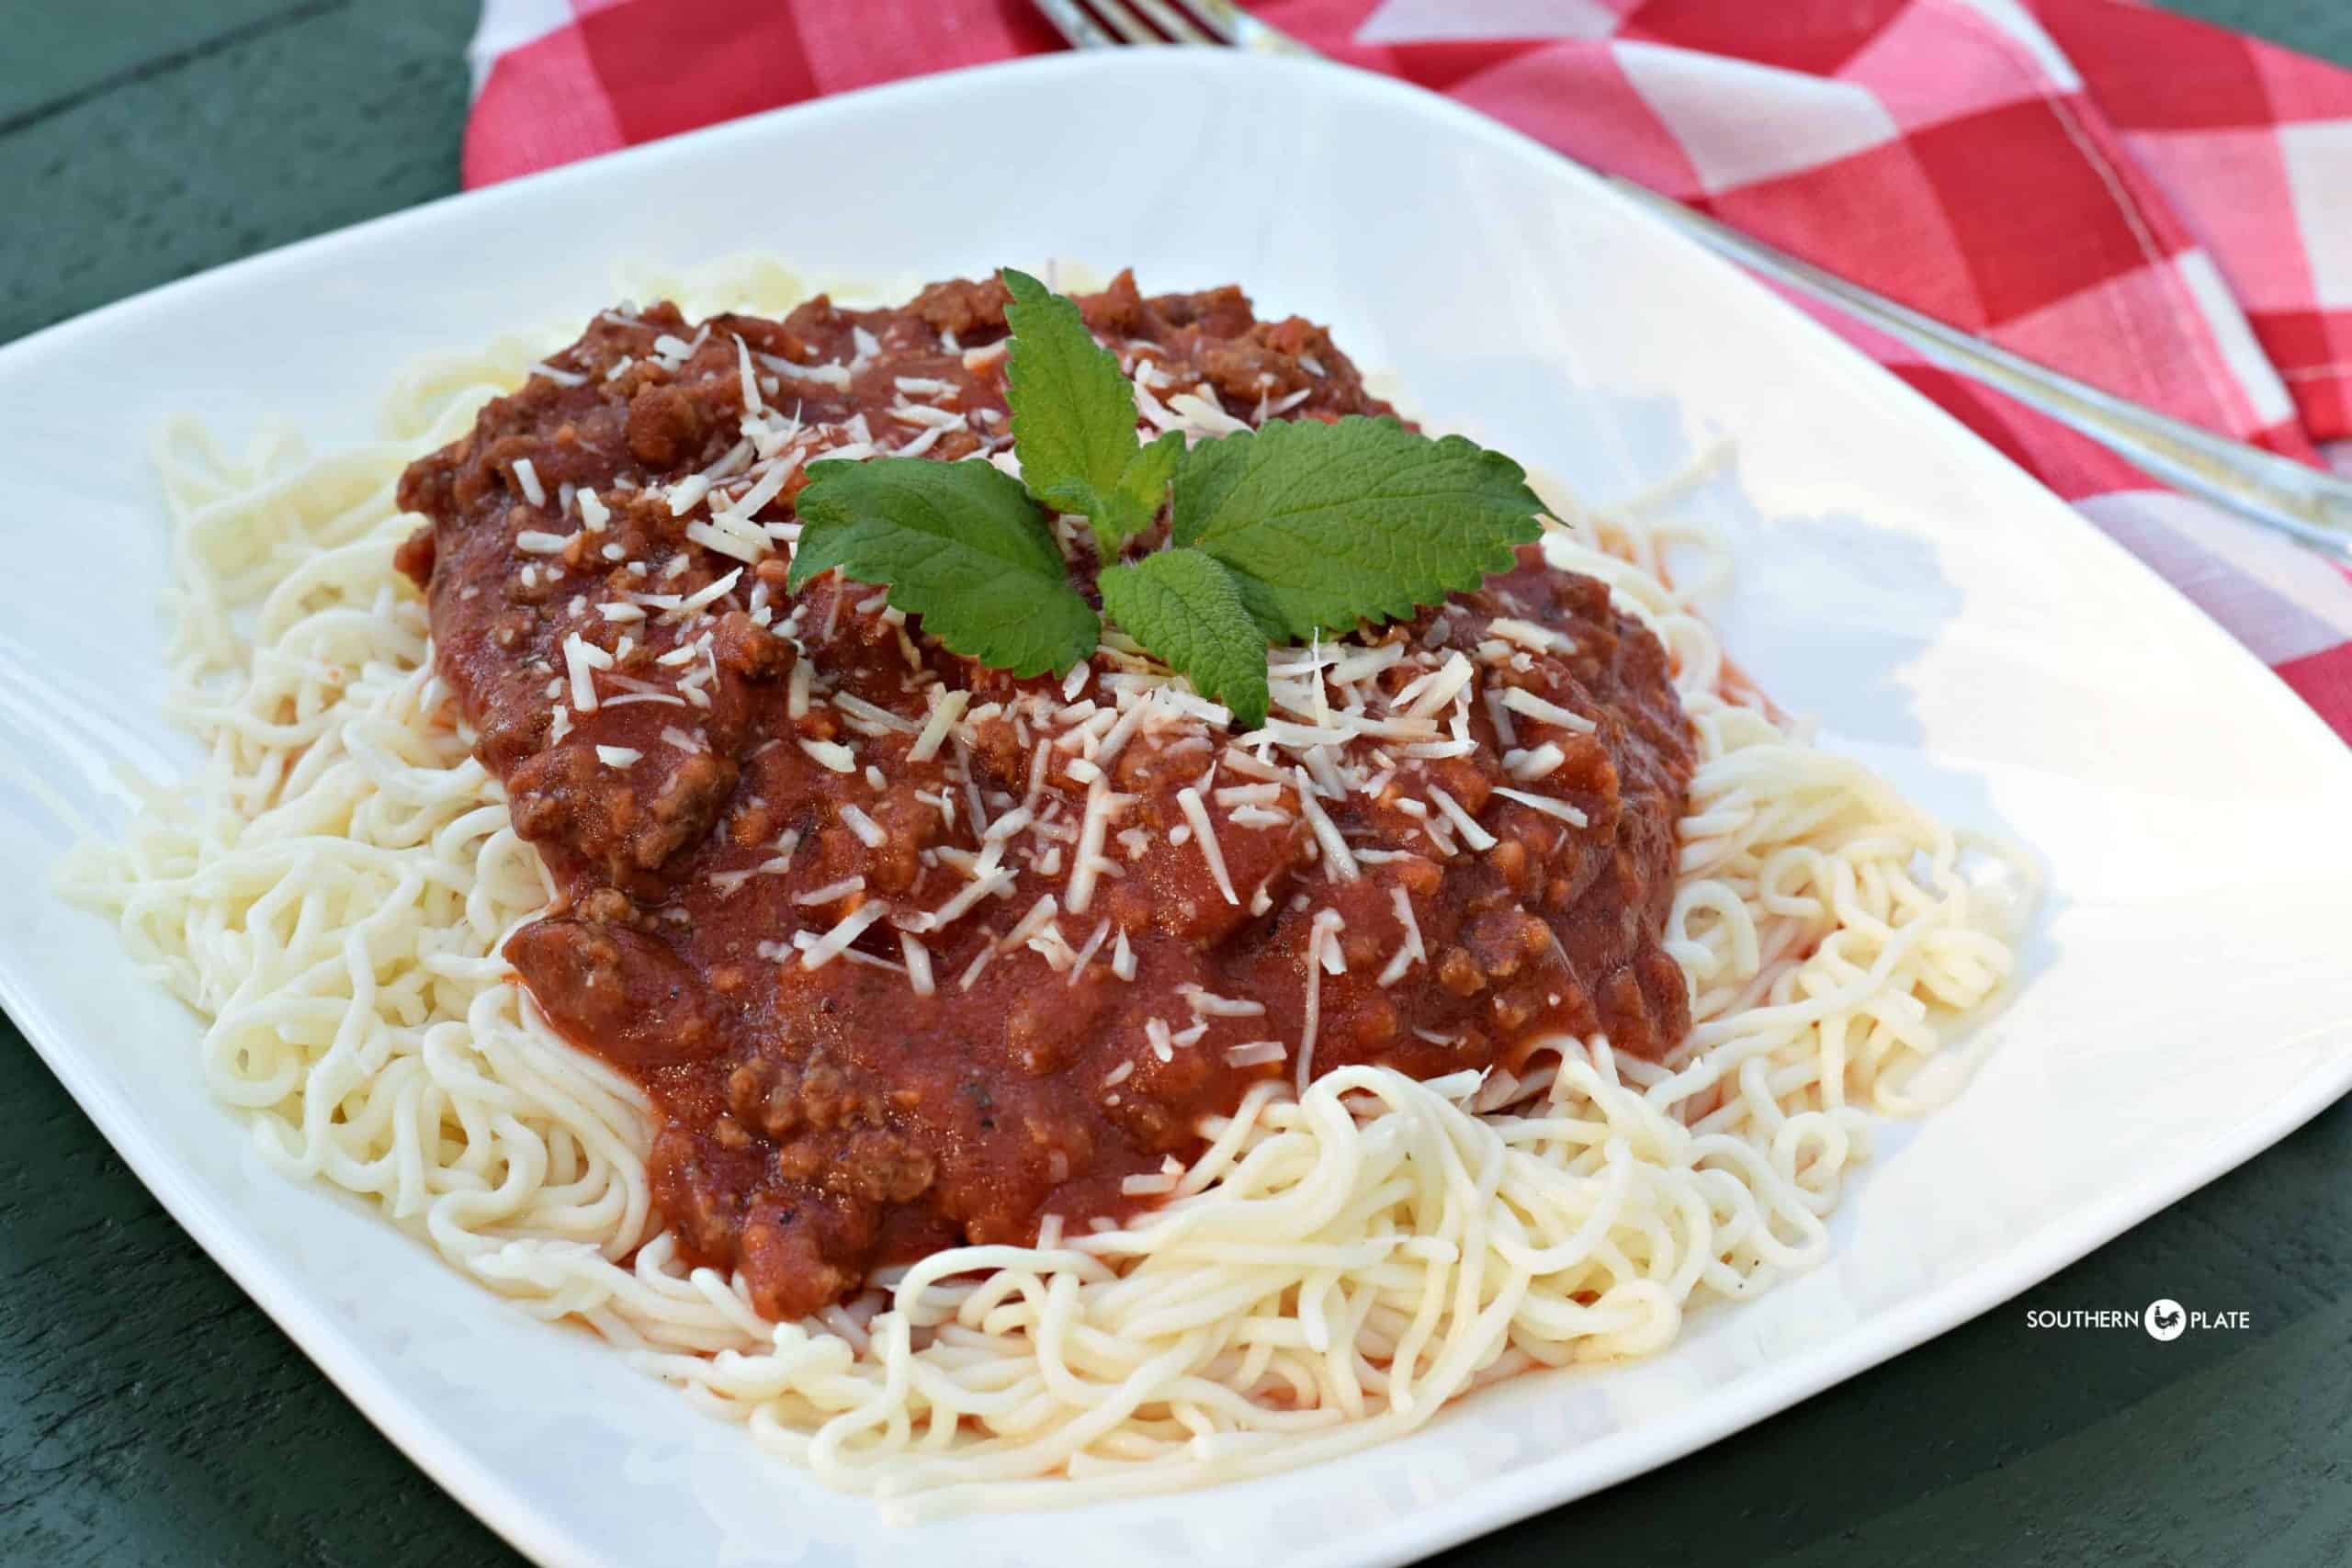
x=2156 y=206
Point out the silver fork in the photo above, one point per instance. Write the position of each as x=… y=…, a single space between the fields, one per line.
x=2276 y=491
x=1113 y=22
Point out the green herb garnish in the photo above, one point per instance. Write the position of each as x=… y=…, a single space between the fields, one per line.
x=958 y=544
x=1074 y=421
x=1325 y=525
x=1188 y=609
x=1299 y=528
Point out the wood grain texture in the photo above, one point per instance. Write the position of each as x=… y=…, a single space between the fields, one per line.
x=151 y=1414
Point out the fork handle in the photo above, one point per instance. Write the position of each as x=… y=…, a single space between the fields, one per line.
x=2277 y=491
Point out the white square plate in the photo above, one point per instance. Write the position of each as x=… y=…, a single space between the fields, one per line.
x=2188 y=1001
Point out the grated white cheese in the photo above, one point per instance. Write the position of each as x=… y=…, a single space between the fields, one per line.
x=619 y=756
x=925 y=414
x=1477 y=837
x=1535 y=764
x=835 y=942
x=834 y=375
x=874 y=718
x=753 y=406
x=1338 y=859
x=987 y=885
x=1318 y=934
x=1546 y=805
x=581 y=660
x=1041 y=915
x=766 y=488
x=1499 y=713
x=1441 y=687
x=710 y=593
x=1006 y=826
x=831 y=891
x=1520 y=700
x=1206 y=1003
x=1124 y=729
x=1412 y=952
x=944 y=715
x=917 y=959
x=830 y=754
x=1188 y=800
x=972 y=970
x=1086 y=861
x=1086 y=953
x=1527 y=634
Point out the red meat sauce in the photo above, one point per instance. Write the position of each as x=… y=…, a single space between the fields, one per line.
x=754 y=772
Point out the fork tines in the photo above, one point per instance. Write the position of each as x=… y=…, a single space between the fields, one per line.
x=1102 y=23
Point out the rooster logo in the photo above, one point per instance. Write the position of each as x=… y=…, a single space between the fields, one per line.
x=2164 y=1319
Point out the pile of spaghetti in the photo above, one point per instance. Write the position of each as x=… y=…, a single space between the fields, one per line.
x=332 y=889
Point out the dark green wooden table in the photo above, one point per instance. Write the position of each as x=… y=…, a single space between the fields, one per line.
x=151 y=1414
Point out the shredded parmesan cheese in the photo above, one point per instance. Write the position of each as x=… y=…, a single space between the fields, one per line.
x=1520 y=700
x=1338 y=859
x=830 y=754
x=835 y=942
x=1477 y=837
x=944 y=715
x=917 y=959
x=581 y=660
x=1546 y=805
x=1188 y=800
x=1412 y=952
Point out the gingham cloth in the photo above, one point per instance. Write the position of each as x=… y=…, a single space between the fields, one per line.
x=2156 y=206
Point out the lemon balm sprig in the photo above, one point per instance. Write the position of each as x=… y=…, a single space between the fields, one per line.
x=1303 y=528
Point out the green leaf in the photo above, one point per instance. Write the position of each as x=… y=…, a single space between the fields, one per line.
x=1186 y=608
x=958 y=544
x=1133 y=505
x=1328 y=525
x=1074 y=420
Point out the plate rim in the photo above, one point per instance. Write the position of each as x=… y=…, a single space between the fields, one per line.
x=547 y=1537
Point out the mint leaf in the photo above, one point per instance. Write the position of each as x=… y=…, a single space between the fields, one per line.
x=1186 y=608
x=1074 y=420
x=958 y=544
x=1133 y=505
x=1328 y=525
